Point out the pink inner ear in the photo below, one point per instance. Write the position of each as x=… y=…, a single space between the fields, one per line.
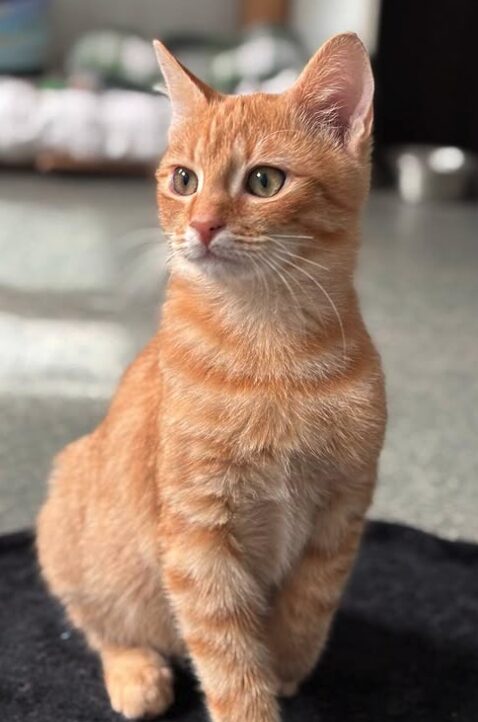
x=347 y=106
x=336 y=89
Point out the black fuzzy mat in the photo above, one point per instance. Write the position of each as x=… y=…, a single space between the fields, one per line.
x=404 y=646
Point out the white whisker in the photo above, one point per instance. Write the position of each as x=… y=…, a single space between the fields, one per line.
x=327 y=296
x=140 y=237
x=269 y=261
x=290 y=235
x=298 y=256
x=262 y=276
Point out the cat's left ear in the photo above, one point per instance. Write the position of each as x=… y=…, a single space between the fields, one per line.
x=187 y=93
x=336 y=88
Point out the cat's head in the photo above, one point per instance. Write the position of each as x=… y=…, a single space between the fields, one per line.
x=250 y=183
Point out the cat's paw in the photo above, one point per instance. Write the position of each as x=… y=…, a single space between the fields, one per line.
x=287 y=689
x=139 y=684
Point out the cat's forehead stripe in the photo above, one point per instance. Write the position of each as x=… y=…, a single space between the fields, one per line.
x=227 y=139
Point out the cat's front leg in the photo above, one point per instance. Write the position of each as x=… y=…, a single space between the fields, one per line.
x=305 y=606
x=219 y=608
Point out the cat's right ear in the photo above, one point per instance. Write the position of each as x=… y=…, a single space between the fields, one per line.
x=336 y=88
x=187 y=93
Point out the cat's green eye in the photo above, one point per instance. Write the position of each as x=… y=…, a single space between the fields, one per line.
x=185 y=181
x=265 y=181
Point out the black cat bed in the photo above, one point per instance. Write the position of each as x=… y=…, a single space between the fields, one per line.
x=404 y=646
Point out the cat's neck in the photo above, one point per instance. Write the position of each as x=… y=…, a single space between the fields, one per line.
x=261 y=323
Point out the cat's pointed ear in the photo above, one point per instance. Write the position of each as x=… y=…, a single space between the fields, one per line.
x=336 y=89
x=187 y=93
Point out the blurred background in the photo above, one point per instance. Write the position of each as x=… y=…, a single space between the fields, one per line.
x=82 y=259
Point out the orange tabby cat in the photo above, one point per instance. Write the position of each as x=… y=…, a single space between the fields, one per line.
x=217 y=510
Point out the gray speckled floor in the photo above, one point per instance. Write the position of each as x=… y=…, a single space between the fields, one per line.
x=69 y=322
x=419 y=285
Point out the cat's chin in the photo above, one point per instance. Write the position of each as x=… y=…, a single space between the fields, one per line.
x=213 y=267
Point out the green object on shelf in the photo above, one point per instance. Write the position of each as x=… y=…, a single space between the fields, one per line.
x=264 y=52
x=113 y=57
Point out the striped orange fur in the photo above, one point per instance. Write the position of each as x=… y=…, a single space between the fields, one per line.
x=217 y=510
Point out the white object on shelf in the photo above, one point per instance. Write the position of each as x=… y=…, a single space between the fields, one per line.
x=120 y=125
x=317 y=20
x=19 y=123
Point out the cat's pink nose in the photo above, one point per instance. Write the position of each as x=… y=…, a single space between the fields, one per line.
x=207 y=228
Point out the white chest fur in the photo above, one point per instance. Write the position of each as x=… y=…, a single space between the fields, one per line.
x=273 y=529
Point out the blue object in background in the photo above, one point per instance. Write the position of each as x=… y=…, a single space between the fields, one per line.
x=24 y=35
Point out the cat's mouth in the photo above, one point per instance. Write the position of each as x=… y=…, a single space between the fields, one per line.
x=215 y=262
x=222 y=257
x=210 y=255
